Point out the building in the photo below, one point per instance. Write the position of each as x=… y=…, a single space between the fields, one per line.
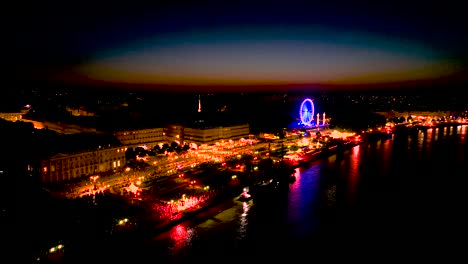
x=174 y=133
x=213 y=134
x=417 y=115
x=150 y=136
x=12 y=116
x=61 y=128
x=79 y=111
x=65 y=167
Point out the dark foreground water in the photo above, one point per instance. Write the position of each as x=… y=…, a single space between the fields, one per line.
x=396 y=199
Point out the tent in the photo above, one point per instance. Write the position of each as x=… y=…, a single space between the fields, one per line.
x=132 y=188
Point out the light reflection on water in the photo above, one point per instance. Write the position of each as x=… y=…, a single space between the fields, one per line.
x=181 y=238
x=430 y=135
x=382 y=178
x=353 y=175
x=243 y=222
x=302 y=196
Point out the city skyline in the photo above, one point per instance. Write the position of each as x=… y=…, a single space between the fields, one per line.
x=233 y=47
x=213 y=131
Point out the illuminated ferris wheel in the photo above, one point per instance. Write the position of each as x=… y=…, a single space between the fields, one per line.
x=307 y=111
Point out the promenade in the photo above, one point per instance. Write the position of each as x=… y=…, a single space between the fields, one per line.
x=293 y=150
x=158 y=166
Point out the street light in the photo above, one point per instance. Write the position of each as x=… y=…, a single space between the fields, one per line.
x=94 y=178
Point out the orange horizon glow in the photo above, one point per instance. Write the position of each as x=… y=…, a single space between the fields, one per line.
x=247 y=87
x=108 y=73
x=262 y=58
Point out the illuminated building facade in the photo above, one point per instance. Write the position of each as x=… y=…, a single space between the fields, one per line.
x=61 y=128
x=174 y=133
x=150 y=136
x=66 y=167
x=213 y=134
x=11 y=116
x=181 y=135
x=80 y=111
x=417 y=114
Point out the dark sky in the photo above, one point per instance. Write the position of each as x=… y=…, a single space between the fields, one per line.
x=226 y=44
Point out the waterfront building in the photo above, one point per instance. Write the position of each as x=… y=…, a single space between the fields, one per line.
x=12 y=116
x=417 y=115
x=174 y=132
x=211 y=135
x=205 y=134
x=64 y=167
x=149 y=136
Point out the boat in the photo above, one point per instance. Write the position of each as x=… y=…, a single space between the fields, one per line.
x=245 y=196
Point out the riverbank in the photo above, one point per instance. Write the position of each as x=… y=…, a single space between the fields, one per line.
x=146 y=223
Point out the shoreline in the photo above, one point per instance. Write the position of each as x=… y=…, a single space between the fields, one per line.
x=235 y=191
x=148 y=226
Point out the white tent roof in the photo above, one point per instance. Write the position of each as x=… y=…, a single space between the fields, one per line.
x=132 y=188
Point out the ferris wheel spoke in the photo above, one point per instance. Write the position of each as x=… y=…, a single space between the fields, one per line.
x=307 y=111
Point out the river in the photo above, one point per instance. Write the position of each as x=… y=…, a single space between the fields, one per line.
x=397 y=198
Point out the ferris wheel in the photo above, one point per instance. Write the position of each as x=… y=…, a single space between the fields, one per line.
x=307 y=111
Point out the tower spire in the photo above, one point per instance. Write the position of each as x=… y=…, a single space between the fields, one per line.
x=199 y=104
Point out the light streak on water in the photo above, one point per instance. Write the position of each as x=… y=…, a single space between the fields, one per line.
x=354 y=173
x=243 y=221
x=180 y=238
x=303 y=194
x=395 y=188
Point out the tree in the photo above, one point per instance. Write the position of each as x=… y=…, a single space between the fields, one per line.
x=140 y=151
x=130 y=154
x=186 y=147
x=157 y=148
x=178 y=149
x=294 y=147
x=174 y=145
x=165 y=147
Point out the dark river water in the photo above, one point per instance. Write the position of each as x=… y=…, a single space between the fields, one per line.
x=397 y=198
